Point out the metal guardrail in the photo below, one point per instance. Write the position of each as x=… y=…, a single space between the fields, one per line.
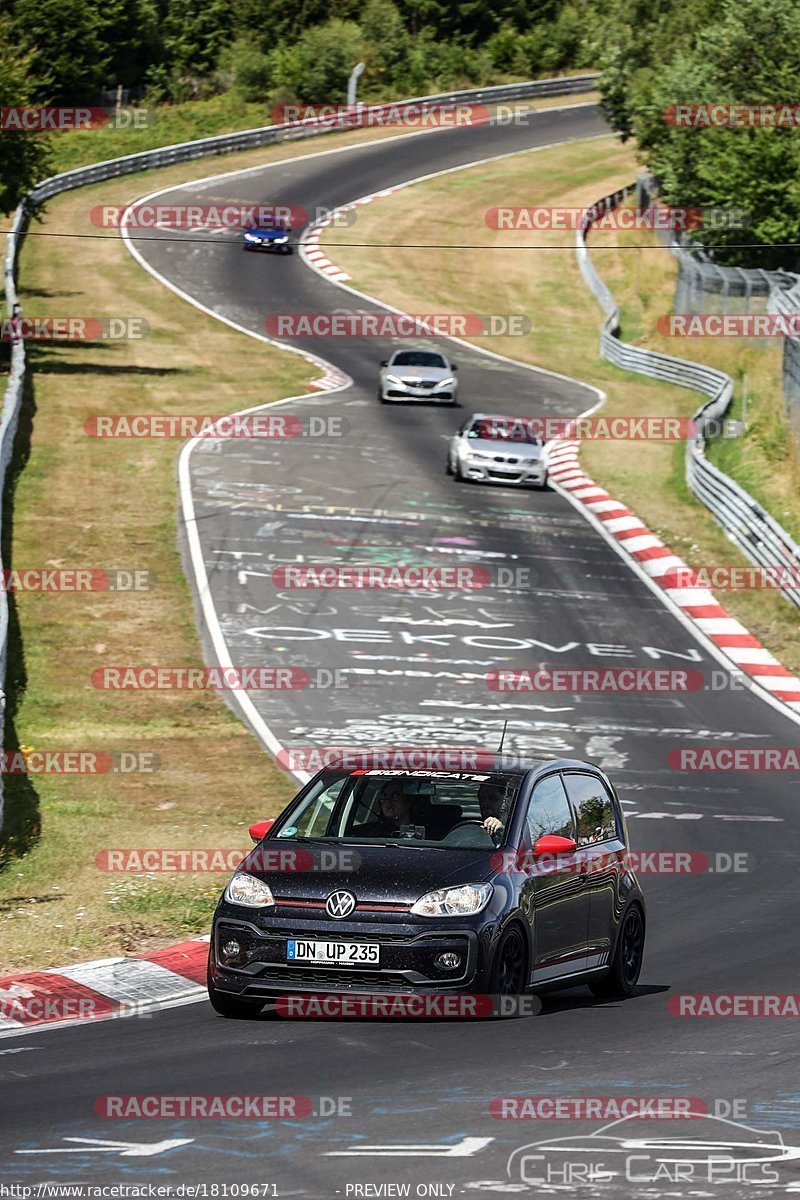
x=164 y=156
x=786 y=302
x=747 y=524
x=702 y=286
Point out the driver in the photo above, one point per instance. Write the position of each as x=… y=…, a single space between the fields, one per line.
x=492 y=801
x=395 y=811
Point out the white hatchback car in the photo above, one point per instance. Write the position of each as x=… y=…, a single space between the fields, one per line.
x=490 y=448
x=418 y=375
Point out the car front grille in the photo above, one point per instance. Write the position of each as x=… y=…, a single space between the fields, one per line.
x=330 y=978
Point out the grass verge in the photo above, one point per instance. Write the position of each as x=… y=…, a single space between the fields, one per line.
x=543 y=280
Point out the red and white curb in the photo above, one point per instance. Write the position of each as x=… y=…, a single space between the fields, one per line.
x=745 y=653
x=105 y=988
x=316 y=258
x=332 y=380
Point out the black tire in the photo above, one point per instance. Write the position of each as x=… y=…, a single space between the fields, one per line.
x=545 y=484
x=622 y=976
x=510 y=965
x=231 y=1006
x=448 y=468
x=459 y=478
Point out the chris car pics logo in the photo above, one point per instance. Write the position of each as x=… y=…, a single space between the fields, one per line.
x=633 y=1153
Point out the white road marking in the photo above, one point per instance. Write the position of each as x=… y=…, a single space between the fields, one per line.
x=466 y=1148
x=123 y=1149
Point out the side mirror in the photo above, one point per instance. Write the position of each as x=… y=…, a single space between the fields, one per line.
x=553 y=843
x=385 y=362
x=260 y=829
x=453 y=366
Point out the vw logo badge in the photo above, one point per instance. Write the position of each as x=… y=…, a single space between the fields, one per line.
x=340 y=905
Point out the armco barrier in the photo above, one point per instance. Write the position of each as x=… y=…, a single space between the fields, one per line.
x=753 y=530
x=165 y=156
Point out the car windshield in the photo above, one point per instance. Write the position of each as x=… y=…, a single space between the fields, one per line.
x=504 y=429
x=418 y=358
x=405 y=809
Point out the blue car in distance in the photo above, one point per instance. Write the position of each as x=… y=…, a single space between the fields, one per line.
x=272 y=238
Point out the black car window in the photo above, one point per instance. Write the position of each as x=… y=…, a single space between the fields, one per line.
x=418 y=358
x=442 y=809
x=548 y=810
x=594 y=808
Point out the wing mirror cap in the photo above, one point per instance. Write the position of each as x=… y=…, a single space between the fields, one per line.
x=553 y=843
x=259 y=829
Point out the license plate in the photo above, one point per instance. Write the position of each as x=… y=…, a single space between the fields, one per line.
x=333 y=953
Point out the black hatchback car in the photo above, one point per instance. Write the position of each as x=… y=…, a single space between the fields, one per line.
x=493 y=882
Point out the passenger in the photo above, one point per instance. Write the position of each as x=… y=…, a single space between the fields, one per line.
x=395 y=811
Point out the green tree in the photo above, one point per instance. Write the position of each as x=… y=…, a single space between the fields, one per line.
x=63 y=40
x=317 y=67
x=23 y=156
x=751 y=54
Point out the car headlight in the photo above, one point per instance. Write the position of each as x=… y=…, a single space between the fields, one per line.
x=394 y=379
x=446 y=382
x=461 y=901
x=277 y=241
x=248 y=891
x=251 y=237
x=476 y=454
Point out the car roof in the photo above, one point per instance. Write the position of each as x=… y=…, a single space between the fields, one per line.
x=481 y=416
x=499 y=764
